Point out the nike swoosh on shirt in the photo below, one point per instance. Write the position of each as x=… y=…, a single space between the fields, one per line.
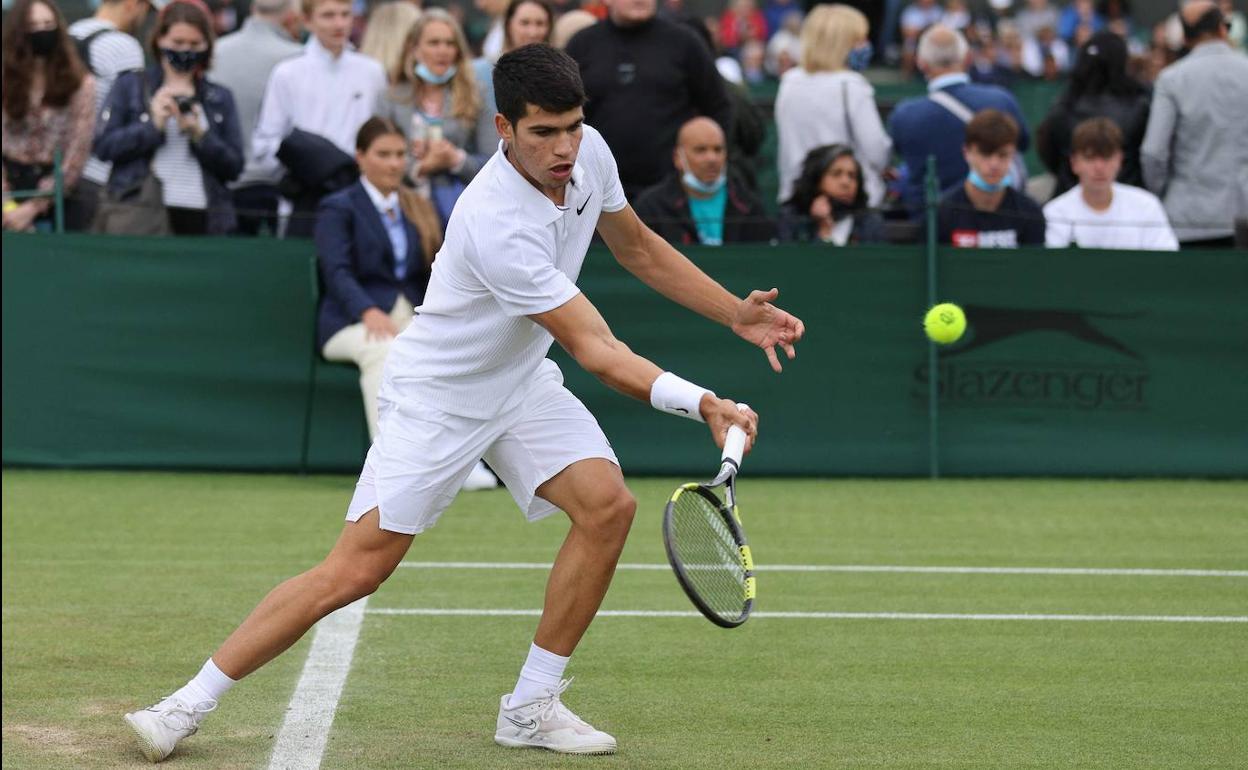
x=583 y=205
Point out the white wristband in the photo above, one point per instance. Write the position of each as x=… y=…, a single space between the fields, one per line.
x=673 y=395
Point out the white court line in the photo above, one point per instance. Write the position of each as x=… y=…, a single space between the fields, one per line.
x=483 y=613
x=1145 y=572
x=300 y=743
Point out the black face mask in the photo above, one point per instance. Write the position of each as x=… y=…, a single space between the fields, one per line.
x=43 y=42
x=184 y=61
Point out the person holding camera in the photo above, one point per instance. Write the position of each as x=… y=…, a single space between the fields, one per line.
x=172 y=135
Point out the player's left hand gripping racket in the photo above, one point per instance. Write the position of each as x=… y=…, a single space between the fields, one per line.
x=706 y=544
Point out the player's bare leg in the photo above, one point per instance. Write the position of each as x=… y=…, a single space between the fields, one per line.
x=362 y=559
x=593 y=494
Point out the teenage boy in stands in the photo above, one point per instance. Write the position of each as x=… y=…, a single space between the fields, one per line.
x=984 y=212
x=1099 y=213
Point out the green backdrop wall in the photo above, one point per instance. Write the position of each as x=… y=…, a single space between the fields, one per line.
x=198 y=353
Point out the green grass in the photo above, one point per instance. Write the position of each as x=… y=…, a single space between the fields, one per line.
x=116 y=586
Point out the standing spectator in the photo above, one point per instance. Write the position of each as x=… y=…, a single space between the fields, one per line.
x=827 y=100
x=243 y=63
x=916 y=18
x=985 y=211
x=1100 y=213
x=524 y=22
x=1079 y=21
x=829 y=202
x=569 y=24
x=1036 y=16
x=49 y=105
x=388 y=25
x=740 y=23
x=329 y=92
x=437 y=97
x=375 y=247
x=646 y=77
x=702 y=202
x=175 y=125
x=1237 y=35
x=1194 y=155
x=107 y=45
x=1099 y=87
x=936 y=124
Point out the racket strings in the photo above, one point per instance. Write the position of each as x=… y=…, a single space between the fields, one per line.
x=709 y=554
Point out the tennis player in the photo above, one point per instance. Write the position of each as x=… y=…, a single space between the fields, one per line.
x=469 y=378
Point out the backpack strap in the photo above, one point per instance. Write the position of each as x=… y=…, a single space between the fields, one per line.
x=84 y=47
x=947 y=100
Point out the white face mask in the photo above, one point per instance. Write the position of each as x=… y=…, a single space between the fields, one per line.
x=697 y=185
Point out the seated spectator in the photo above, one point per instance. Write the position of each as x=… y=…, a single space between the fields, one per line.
x=784 y=50
x=829 y=203
x=740 y=23
x=1078 y=22
x=388 y=25
x=328 y=92
x=701 y=202
x=49 y=105
x=524 y=22
x=985 y=211
x=107 y=46
x=375 y=247
x=936 y=124
x=452 y=135
x=1099 y=87
x=828 y=101
x=1194 y=155
x=985 y=67
x=916 y=18
x=956 y=15
x=776 y=11
x=1046 y=56
x=1237 y=35
x=172 y=124
x=1117 y=15
x=243 y=63
x=1098 y=212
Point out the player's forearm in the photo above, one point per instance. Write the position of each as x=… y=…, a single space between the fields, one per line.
x=617 y=367
x=670 y=273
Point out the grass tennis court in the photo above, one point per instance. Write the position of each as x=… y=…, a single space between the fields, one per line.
x=116 y=586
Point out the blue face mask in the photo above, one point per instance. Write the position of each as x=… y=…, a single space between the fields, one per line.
x=860 y=58
x=697 y=185
x=426 y=75
x=981 y=184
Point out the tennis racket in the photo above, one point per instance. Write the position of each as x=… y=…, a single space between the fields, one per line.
x=706 y=544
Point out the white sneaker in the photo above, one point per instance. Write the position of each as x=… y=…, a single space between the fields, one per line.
x=479 y=478
x=548 y=724
x=160 y=727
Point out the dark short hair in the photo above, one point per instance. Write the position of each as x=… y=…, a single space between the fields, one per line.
x=373 y=129
x=184 y=12
x=1098 y=137
x=990 y=130
x=539 y=75
x=1209 y=23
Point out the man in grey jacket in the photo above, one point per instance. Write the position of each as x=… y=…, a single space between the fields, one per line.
x=242 y=63
x=1194 y=156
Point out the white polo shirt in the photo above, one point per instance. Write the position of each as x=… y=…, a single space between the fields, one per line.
x=509 y=253
x=1135 y=219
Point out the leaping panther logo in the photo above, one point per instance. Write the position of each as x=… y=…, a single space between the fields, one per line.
x=994 y=324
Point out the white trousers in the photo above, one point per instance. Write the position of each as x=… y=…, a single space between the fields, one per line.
x=352 y=344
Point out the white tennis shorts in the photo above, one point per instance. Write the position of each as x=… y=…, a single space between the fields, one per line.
x=422 y=455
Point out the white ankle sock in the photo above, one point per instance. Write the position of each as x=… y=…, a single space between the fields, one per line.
x=208 y=685
x=542 y=671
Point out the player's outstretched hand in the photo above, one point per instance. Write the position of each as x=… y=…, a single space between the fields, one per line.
x=762 y=323
x=722 y=413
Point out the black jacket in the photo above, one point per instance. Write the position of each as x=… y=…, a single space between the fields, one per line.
x=1053 y=136
x=665 y=209
x=643 y=83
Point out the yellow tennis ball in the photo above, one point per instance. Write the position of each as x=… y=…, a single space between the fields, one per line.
x=944 y=323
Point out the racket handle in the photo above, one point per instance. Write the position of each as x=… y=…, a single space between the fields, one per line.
x=734 y=443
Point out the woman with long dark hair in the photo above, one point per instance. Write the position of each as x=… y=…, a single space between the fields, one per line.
x=172 y=126
x=1099 y=87
x=48 y=105
x=829 y=201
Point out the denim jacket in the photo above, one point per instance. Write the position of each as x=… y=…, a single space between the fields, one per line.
x=126 y=136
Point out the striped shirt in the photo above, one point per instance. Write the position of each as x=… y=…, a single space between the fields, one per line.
x=110 y=54
x=179 y=171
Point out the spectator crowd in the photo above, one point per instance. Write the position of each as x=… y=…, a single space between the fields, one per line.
x=202 y=117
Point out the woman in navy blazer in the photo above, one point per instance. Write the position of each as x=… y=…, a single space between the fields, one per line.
x=375 y=243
